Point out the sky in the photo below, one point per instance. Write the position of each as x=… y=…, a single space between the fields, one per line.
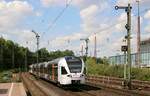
x=81 y=19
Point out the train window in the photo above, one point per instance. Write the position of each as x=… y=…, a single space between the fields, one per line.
x=49 y=69
x=84 y=71
x=63 y=70
x=74 y=64
x=44 y=71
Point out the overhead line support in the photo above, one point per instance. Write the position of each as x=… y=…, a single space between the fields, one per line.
x=128 y=27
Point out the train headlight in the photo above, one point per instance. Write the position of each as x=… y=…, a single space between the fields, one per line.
x=81 y=75
x=69 y=75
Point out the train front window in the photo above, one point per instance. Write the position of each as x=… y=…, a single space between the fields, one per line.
x=63 y=71
x=74 y=64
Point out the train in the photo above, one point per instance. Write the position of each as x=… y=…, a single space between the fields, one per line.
x=66 y=70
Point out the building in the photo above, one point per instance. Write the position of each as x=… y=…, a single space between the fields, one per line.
x=144 y=56
x=145 y=46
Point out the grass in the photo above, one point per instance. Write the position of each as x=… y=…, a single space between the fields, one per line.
x=116 y=71
x=5 y=76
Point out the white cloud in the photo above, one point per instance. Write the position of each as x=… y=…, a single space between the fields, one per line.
x=5 y=36
x=78 y=3
x=108 y=40
x=25 y=38
x=147 y=28
x=147 y=15
x=48 y=3
x=59 y=41
x=121 y=22
x=82 y=4
x=12 y=16
x=124 y=2
x=88 y=18
x=12 y=13
x=132 y=2
x=145 y=36
x=89 y=12
x=38 y=14
x=91 y=23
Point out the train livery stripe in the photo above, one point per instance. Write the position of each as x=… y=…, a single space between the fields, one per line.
x=53 y=72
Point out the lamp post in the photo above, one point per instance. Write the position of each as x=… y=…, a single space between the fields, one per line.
x=37 y=37
x=26 y=59
x=86 y=53
x=138 y=34
x=86 y=48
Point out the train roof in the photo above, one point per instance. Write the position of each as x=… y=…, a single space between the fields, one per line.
x=43 y=63
x=72 y=58
x=34 y=65
x=31 y=65
x=55 y=61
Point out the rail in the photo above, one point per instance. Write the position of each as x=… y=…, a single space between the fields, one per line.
x=138 y=87
x=32 y=88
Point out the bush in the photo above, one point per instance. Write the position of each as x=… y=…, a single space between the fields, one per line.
x=116 y=70
x=5 y=76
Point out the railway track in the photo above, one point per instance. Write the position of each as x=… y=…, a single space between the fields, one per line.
x=50 y=89
x=141 y=88
x=118 y=81
x=32 y=88
x=43 y=88
x=83 y=90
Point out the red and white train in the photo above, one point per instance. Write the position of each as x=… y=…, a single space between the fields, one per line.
x=64 y=71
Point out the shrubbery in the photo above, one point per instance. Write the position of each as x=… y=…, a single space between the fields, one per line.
x=5 y=76
x=115 y=70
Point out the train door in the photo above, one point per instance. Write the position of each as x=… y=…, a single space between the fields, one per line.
x=59 y=73
x=63 y=74
x=54 y=72
x=49 y=72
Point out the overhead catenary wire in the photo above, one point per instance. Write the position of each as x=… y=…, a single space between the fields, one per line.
x=114 y=24
x=57 y=17
x=67 y=5
x=101 y=30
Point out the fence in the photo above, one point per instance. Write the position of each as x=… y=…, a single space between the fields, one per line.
x=144 y=59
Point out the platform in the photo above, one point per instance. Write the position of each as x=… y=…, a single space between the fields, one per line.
x=12 y=89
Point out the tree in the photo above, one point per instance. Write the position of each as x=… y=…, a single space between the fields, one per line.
x=2 y=42
x=43 y=54
x=13 y=56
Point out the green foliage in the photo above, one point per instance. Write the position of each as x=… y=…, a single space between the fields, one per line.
x=5 y=76
x=141 y=74
x=9 y=49
x=43 y=54
x=103 y=60
x=116 y=70
x=57 y=54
